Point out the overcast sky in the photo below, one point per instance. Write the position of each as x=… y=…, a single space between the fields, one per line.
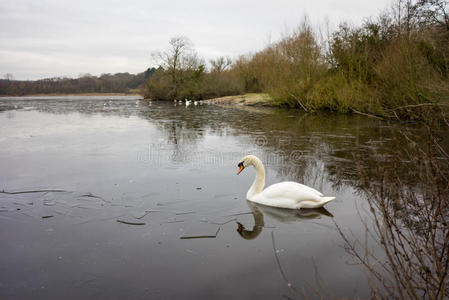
x=49 y=38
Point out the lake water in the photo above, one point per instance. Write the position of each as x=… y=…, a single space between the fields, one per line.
x=129 y=199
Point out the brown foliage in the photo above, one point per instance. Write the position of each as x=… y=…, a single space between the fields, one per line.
x=399 y=60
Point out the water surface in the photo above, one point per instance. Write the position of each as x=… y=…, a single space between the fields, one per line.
x=146 y=203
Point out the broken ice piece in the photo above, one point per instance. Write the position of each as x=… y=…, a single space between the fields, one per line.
x=203 y=233
x=128 y=222
x=140 y=214
x=219 y=220
x=184 y=212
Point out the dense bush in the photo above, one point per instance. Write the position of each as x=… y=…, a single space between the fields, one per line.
x=394 y=67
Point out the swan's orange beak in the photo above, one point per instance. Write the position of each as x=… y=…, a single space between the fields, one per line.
x=241 y=167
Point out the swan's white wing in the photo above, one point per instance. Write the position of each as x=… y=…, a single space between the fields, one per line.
x=304 y=188
x=293 y=191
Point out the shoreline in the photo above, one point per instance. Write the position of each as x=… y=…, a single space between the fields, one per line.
x=72 y=94
x=250 y=99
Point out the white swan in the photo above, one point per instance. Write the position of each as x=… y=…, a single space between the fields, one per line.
x=285 y=194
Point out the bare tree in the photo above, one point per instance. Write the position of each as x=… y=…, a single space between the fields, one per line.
x=9 y=76
x=433 y=11
x=220 y=64
x=178 y=58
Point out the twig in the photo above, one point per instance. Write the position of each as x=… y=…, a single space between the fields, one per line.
x=365 y=114
x=299 y=102
x=417 y=105
x=284 y=277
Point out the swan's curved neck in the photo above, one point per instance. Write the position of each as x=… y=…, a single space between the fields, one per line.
x=259 y=181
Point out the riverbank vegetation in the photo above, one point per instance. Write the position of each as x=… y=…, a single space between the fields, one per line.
x=396 y=65
x=385 y=67
x=182 y=74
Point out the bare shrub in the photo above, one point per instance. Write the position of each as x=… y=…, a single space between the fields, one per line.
x=409 y=217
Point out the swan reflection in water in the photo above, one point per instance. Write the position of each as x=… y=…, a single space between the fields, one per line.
x=283 y=215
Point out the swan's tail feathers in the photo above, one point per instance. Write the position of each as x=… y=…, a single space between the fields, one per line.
x=327 y=199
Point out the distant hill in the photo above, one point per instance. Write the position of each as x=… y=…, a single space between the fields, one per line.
x=106 y=83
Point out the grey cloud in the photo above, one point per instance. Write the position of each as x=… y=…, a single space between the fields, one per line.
x=65 y=38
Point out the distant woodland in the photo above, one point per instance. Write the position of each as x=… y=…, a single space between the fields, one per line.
x=86 y=83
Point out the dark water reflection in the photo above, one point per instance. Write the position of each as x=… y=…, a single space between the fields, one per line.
x=171 y=169
x=285 y=216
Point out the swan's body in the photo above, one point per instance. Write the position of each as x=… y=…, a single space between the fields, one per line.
x=286 y=194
